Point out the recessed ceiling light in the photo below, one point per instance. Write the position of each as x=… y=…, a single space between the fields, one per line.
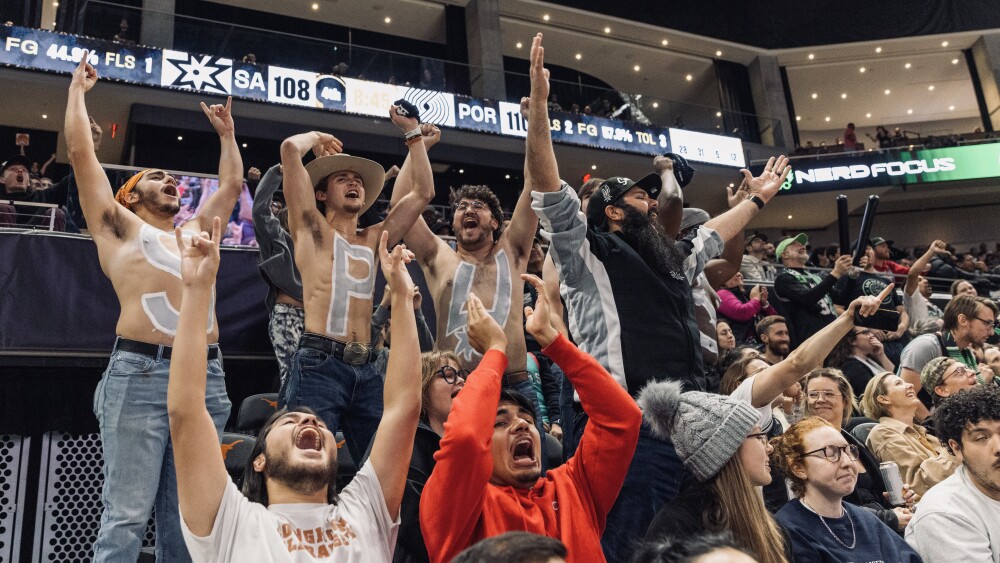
x=507 y=176
x=689 y=78
x=931 y=87
x=811 y=56
x=789 y=216
x=732 y=185
x=944 y=43
x=909 y=112
x=954 y=61
x=878 y=49
x=44 y=116
x=718 y=114
x=388 y=19
x=815 y=95
x=656 y=104
x=519 y=44
x=56 y=4
x=862 y=70
x=798 y=118
x=180 y=138
x=461 y=170
x=718 y=53
x=593 y=167
x=244 y=145
x=869 y=114
x=907 y=65
x=951 y=108
x=636 y=68
x=843 y=96
x=664 y=42
x=315 y=6
x=607 y=30
x=579 y=56
x=827 y=118
x=545 y=17
x=887 y=91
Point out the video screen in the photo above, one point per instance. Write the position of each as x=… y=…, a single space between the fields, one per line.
x=195 y=190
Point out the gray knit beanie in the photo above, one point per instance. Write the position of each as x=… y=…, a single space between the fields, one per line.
x=707 y=429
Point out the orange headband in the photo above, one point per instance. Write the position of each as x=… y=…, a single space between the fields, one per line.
x=121 y=196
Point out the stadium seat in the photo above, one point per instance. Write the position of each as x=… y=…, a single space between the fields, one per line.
x=236 y=449
x=861 y=431
x=553 y=451
x=254 y=412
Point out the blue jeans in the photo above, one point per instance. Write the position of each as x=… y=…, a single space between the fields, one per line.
x=654 y=478
x=131 y=407
x=347 y=398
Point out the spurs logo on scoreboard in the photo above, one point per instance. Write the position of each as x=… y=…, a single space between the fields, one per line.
x=197 y=72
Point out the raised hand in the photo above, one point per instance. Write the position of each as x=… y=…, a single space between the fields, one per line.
x=938 y=247
x=95 y=132
x=253 y=173
x=220 y=116
x=538 y=321
x=394 y=266
x=431 y=134
x=842 y=266
x=326 y=145
x=866 y=306
x=755 y=292
x=200 y=259
x=525 y=106
x=400 y=118
x=484 y=332
x=538 y=73
x=85 y=76
x=663 y=164
x=734 y=198
x=417 y=298
x=769 y=182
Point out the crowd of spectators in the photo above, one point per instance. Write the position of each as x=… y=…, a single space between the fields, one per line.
x=883 y=139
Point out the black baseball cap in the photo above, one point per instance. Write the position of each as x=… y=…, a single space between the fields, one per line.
x=875 y=241
x=15 y=160
x=612 y=189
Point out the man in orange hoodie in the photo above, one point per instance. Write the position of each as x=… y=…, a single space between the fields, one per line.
x=488 y=481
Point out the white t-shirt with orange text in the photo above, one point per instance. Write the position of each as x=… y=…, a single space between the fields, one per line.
x=358 y=529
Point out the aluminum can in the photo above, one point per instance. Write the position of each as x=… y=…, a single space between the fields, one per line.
x=893 y=482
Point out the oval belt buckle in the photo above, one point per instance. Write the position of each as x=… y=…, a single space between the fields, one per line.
x=356 y=353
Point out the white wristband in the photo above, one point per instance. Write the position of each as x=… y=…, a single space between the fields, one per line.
x=412 y=134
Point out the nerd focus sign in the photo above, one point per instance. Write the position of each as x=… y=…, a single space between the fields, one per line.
x=164 y=68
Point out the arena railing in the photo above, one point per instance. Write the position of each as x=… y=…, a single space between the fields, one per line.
x=26 y=209
x=100 y=19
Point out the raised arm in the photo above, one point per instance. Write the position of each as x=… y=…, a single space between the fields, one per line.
x=96 y=196
x=670 y=202
x=265 y=224
x=608 y=443
x=221 y=203
x=201 y=472
x=761 y=188
x=407 y=209
x=769 y=383
x=393 y=446
x=539 y=154
x=920 y=264
x=419 y=239
x=452 y=501
x=299 y=195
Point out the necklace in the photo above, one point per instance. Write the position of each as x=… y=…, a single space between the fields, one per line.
x=854 y=537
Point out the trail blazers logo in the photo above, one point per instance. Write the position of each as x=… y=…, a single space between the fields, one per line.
x=203 y=73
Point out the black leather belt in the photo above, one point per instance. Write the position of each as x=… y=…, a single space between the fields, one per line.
x=157 y=350
x=353 y=353
x=515 y=378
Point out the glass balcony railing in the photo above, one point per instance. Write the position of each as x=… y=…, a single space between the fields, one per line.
x=102 y=19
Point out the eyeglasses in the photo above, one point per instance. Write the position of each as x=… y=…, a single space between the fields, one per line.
x=762 y=436
x=961 y=370
x=825 y=395
x=450 y=375
x=833 y=453
x=864 y=332
x=475 y=205
x=989 y=324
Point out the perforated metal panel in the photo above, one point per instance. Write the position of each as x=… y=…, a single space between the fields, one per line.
x=69 y=498
x=13 y=474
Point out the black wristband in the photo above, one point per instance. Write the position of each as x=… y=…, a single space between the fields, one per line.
x=757 y=201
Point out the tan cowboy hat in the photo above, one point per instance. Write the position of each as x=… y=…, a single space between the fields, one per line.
x=372 y=174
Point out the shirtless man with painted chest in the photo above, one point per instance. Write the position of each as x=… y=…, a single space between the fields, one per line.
x=333 y=371
x=134 y=233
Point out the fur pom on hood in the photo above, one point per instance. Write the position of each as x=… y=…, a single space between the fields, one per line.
x=660 y=402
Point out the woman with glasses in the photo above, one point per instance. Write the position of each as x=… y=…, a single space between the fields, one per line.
x=821 y=467
x=829 y=396
x=923 y=462
x=721 y=445
x=441 y=380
